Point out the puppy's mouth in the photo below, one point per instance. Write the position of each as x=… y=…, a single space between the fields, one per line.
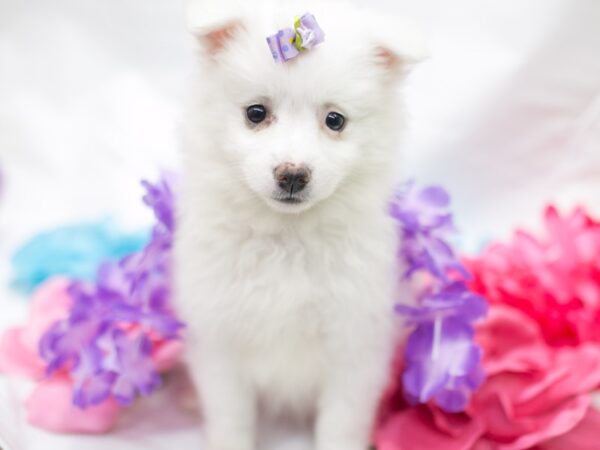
x=290 y=203
x=290 y=200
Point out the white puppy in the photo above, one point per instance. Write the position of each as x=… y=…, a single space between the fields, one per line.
x=285 y=254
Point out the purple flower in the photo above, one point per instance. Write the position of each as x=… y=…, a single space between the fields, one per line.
x=425 y=227
x=133 y=362
x=106 y=343
x=442 y=363
x=452 y=300
x=160 y=198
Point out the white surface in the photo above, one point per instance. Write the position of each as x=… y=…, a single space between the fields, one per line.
x=506 y=114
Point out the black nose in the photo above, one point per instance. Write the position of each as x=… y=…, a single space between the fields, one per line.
x=292 y=178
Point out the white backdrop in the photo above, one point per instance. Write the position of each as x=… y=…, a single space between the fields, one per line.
x=506 y=115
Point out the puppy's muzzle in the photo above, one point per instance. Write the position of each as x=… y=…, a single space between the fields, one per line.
x=292 y=178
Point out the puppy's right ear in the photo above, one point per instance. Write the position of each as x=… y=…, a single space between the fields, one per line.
x=215 y=23
x=215 y=38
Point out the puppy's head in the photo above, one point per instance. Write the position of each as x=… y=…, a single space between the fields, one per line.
x=294 y=133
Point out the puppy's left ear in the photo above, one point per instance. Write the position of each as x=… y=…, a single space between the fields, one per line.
x=398 y=46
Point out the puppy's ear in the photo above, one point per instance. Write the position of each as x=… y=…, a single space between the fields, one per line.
x=215 y=38
x=398 y=46
x=215 y=23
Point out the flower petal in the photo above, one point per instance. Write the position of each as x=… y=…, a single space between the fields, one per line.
x=585 y=436
x=49 y=407
x=414 y=429
x=16 y=358
x=554 y=423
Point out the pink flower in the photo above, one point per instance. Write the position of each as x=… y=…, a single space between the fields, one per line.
x=55 y=395
x=535 y=395
x=19 y=345
x=534 y=392
x=19 y=356
x=555 y=280
x=541 y=345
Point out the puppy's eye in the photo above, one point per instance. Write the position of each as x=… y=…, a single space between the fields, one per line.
x=256 y=113
x=335 y=121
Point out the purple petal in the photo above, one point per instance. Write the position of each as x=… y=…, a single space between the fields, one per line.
x=137 y=372
x=435 y=361
x=453 y=400
x=94 y=389
x=435 y=196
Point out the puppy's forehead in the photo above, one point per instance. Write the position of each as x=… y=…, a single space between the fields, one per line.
x=340 y=70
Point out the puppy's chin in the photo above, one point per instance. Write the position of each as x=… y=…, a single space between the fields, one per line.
x=284 y=207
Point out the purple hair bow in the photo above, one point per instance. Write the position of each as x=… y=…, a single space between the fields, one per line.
x=286 y=44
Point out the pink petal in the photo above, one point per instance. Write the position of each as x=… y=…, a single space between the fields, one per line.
x=574 y=371
x=50 y=303
x=585 y=436
x=18 y=359
x=167 y=355
x=554 y=423
x=50 y=407
x=493 y=405
x=512 y=342
x=19 y=346
x=413 y=429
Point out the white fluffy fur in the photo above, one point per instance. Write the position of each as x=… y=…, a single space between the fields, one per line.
x=289 y=307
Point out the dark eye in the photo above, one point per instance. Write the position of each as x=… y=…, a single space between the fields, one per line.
x=335 y=121
x=256 y=113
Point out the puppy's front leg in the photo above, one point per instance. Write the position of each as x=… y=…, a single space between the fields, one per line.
x=349 y=401
x=228 y=402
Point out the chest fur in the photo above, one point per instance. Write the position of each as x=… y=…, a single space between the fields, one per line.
x=295 y=284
